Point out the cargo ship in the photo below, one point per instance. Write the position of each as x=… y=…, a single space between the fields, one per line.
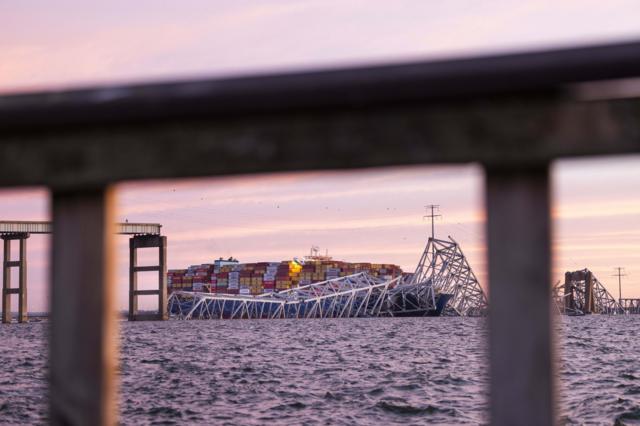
x=309 y=287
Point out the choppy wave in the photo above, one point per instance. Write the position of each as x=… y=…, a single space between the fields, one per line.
x=354 y=371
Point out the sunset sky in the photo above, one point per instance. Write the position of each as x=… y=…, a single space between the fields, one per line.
x=372 y=215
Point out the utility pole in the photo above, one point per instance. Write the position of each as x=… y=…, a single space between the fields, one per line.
x=620 y=274
x=433 y=208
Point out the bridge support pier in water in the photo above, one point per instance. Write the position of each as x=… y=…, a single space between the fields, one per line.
x=21 y=264
x=148 y=241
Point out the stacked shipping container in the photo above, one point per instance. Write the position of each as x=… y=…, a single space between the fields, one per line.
x=268 y=277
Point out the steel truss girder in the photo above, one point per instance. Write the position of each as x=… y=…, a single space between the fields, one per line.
x=358 y=295
x=444 y=265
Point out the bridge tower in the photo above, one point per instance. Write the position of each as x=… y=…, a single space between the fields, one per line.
x=21 y=264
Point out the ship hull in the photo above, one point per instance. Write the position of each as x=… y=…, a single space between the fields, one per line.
x=441 y=302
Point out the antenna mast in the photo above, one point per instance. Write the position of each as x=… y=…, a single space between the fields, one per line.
x=619 y=274
x=432 y=216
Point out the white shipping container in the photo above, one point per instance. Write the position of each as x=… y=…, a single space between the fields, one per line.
x=245 y=291
x=197 y=286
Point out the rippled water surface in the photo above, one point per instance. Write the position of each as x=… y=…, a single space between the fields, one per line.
x=351 y=371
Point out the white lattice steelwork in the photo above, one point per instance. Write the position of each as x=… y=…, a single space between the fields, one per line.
x=444 y=267
x=358 y=295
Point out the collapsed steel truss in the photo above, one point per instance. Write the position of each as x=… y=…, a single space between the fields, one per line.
x=443 y=282
x=358 y=295
x=582 y=293
x=630 y=306
x=445 y=267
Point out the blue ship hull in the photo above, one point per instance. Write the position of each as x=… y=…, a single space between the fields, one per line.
x=441 y=302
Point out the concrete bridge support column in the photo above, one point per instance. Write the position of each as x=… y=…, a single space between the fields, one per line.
x=589 y=302
x=83 y=340
x=569 y=303
x=21 y=290
x=146 y=241
x=520 y=318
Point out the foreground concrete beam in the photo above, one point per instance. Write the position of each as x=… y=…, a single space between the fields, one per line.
x=518 y=131
x=83 y=342
x=521 y=342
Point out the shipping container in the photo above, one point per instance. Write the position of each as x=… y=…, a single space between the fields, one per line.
x=256 y=278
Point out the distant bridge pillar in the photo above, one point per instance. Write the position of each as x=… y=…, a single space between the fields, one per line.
x=589 y=302
x=21 y=264
x=569 y=302
x=147 y=241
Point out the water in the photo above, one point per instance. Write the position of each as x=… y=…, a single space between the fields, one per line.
x=353 y=371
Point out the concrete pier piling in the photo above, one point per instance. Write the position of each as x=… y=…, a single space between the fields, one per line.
x=148 y=241
x=21 y=289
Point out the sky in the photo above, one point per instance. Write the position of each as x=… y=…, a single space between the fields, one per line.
x=74 y=43
x=372 y=215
